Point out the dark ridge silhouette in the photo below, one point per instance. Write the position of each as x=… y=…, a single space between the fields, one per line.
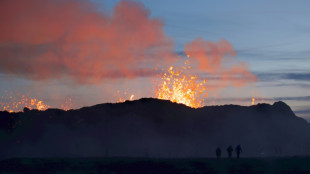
x=154 y=128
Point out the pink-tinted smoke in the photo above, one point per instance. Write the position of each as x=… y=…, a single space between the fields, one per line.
x=219 y=59
x=53 y=39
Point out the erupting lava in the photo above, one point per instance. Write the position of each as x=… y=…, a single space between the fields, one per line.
x=15 y=105
x=67 y=105
x=122 y=99
x=253 y=101
x=179 y=87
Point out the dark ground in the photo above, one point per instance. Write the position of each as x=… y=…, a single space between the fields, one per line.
x=148 y=165
x=160 y=128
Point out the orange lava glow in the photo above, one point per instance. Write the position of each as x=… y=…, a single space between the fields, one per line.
x=15 y=104
x=122 y=97
x=253 y=101
x=179 y=87
x=67 y=105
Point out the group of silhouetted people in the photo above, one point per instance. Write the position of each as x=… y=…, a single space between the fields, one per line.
x=230 y=150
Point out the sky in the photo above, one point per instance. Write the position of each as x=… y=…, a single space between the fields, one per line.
x=84 y=50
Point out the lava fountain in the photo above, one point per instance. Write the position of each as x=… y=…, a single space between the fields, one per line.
x=180 y=87
x=15 y=103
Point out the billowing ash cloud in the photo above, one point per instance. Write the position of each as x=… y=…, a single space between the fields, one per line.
x=220 y=59
x=52 y=39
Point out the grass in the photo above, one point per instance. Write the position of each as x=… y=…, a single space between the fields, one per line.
x=152 y=166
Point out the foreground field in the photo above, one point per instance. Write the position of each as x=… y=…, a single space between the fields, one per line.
x=148 y=165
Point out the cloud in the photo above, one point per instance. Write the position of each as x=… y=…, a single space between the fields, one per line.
x=296 y=98
x=303 y=113
x=300 y=85
x=53 y=39
x=297 y=76
x=307 y=111
x=219 y=60
x=268 y=54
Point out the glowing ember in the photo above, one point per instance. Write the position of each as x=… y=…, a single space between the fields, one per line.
x=131 y=97
x=17 y=103
x=67 y=105
x=122 y=98
x=253 y=101
x=178 y=87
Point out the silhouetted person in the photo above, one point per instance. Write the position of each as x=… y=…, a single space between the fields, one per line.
x=238 y=150
x=218 y=152
x=229 y=151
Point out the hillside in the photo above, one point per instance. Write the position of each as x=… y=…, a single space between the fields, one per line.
x=154 y=128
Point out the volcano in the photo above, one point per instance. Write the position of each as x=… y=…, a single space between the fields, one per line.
x=154 y=128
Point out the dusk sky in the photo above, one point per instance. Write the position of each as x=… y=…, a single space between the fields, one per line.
x=88 y=50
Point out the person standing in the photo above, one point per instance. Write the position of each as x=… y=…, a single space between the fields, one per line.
x=238 y=150
x=229 y=151
x=218 y=152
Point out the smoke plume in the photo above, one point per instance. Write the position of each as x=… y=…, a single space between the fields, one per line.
x=219 y=59
x=53 y=39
